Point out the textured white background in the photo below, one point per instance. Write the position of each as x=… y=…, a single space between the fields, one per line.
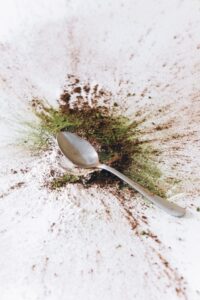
x=63 y=245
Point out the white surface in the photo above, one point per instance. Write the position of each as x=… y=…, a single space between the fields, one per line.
x=149 y=47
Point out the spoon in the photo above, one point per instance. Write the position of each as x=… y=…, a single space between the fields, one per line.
x=81 y=153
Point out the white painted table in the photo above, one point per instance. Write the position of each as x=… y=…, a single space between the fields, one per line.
x=80 y=244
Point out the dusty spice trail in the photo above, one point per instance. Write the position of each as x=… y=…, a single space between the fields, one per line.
x=140 y=227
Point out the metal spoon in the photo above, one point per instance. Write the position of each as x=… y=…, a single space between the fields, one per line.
x=83 y=154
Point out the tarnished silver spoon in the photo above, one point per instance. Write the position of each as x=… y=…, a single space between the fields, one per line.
x=83 y=154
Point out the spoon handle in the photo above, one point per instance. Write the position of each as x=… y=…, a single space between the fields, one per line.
x=171 y=208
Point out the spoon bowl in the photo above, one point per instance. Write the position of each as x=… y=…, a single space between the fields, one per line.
x=78 y=150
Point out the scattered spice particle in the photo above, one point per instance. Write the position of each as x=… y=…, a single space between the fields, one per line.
x=117 y=139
